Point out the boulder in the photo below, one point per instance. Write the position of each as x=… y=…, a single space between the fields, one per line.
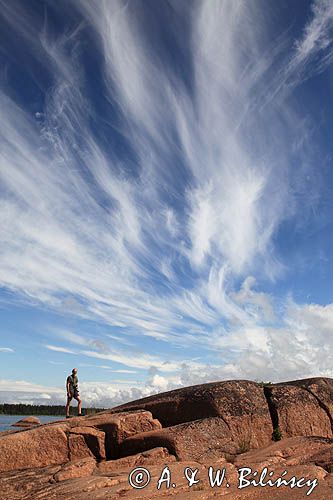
x=27 y=422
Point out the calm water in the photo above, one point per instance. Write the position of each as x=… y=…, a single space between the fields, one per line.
x=7 y=420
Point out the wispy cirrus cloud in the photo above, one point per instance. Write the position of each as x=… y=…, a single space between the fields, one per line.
x=157 y=239
x=136 y=359
x=59 y=349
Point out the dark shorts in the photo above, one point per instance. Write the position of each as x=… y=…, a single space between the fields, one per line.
x=74 y=394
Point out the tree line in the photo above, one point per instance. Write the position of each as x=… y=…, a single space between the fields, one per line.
x=25 y=409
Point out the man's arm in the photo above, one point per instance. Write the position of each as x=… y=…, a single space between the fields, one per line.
x=67 y=386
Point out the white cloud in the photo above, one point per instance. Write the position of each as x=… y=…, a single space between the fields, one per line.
x=81 y=234
x=6 y=349
x=248 y=297
x=59 y=349
x=136 y=361
x=133 y=359
x=25 y=386
x=105 y=367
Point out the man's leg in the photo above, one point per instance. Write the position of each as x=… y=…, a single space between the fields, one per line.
x=79 y=405
x=67 y=406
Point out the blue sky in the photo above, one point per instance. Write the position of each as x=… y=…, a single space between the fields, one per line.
x=166 y=192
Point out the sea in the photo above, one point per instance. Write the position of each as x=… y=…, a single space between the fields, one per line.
x=7 y=420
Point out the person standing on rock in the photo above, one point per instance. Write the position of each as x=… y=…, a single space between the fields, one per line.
x=72 y=387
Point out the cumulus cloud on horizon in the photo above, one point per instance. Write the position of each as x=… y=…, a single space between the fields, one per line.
x=157 y=211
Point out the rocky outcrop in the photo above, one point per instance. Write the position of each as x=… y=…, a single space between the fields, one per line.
x=192 y=440
x=239 y=408
x=27 y=422
x=98 y=436
x=223 y=424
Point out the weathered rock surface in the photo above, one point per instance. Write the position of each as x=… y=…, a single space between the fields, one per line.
x=33 y=448
x=77 y=447
x=150 y=457
x=118 y=426
x=93 y=439
x=192 y=440
x=92 y=457
x=78 y=468
x=27 y=422
x=229 y=398
x=322 y=389
x=73 y=482
x=290 y=452
x=55 y=443
x=241 y=404
x=296 y=411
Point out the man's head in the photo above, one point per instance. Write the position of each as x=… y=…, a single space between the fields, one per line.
x=74 y=371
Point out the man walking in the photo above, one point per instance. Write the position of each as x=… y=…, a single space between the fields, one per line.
x=72 y=387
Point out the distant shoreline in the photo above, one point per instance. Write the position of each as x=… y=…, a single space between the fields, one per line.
x=47 y=410
x=35 y=414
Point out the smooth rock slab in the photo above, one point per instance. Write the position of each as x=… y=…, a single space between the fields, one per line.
x=33 y=448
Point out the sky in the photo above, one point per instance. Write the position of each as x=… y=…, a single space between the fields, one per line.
x=166 y=195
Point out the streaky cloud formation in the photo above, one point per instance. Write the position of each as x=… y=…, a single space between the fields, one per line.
x=147 y=193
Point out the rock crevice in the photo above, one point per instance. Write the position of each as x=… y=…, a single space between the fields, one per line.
x=271 y=407
x=322 y=405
